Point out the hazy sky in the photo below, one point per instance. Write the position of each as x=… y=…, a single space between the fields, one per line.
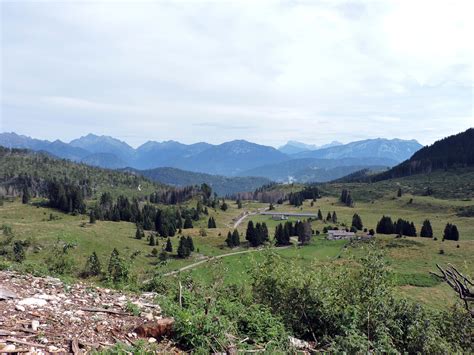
x=314 y=71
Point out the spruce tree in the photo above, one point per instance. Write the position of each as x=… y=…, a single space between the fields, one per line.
x=426 y=230
x=152 y=242
x=188 y=223
x=236 y=237
x=349 y=201
x=26 y=196
x=183 y=248
x=19 y=251
x=92 y=217
x=264 y=237
x=93 y=266
x=451 y=232
x=229 y=240
x=179 y=219
x=169 y=246
x=250 y=233
x=334 y=217
x=190 y=242
x=399 y=192
x=139 y=234
x=329 y=217
x=320 y=215
x=357 y=222
x=385 y=226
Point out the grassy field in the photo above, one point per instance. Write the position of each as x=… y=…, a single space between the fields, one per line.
x=410 y=258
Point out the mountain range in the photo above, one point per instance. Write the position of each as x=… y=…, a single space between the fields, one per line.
x=295 y=161
x=293 y=147
x=453 y=153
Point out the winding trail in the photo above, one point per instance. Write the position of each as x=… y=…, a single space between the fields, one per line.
x=210 y=258
x=247 y=214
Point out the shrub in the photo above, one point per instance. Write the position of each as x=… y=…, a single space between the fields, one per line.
x=58 y=261
x=93 y=266
x=218 y=319
x=352 y=309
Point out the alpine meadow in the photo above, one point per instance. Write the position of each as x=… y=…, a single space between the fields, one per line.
x=236 y=177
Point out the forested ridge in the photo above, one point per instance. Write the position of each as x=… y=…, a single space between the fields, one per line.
x=456 y=151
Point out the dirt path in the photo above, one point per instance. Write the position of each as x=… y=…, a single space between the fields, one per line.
x=247 y=214
x=192 y=266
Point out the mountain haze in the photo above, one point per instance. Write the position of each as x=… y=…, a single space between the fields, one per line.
x=222 y=185
x=452 y=152
x=234 y=158
x=395 y=149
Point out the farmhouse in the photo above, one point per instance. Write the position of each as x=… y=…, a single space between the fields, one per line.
x=334 y=234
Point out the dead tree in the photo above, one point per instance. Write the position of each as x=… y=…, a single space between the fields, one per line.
x=459 y=283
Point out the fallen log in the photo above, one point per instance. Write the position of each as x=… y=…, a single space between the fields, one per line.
x=104 y=310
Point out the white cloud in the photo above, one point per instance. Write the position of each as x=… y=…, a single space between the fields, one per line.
x=264 y=71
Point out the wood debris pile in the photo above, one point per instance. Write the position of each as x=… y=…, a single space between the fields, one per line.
x=45 y=315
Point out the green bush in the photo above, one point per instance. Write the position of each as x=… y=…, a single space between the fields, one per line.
x=219 y=319
x=354 y=309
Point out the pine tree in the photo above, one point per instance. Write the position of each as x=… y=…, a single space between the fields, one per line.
x=179 y=219
x=250 y=233
x=349 y=201
x=385 y=226
x=188 y=223
x=26 y=196
x=426 y=230
x=152 y=241
x=236 y=238
x=117 y=269
x=320 y=215
x=264 y=236
x=357 y=222
x=334 y=217
x=281 y=238
x=343 y=197
x=451 y=232
x=229 y=241
x=169 y=246
x=19 y=251
x=211 y=223
x=139 y=234
x=224 y=206
x=399 y=192
x=183 y=248
x=305 y=232
x=93 y=266
x=329 y=217
x=92 y=217
x=190 y=242
x=239 y=204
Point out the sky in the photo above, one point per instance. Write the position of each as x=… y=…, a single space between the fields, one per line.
x=214 y=71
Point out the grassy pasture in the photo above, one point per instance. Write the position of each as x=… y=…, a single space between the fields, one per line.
x=410 y=258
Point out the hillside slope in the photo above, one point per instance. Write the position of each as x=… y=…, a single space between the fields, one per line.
x=448 y=153
x=18 y=167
